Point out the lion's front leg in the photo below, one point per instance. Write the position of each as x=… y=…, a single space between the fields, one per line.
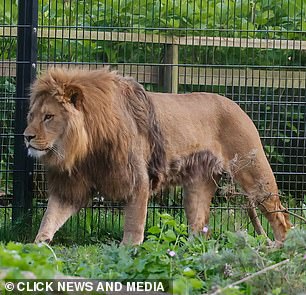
x=55 y=216
x=135 y=212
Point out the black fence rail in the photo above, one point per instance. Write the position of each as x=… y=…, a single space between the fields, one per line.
x=251 y=52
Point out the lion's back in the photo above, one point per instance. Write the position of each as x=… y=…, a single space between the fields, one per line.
x=207 y=110
x=197 y=121
x=195 y=104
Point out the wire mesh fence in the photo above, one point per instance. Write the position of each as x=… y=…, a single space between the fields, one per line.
x=250 y=51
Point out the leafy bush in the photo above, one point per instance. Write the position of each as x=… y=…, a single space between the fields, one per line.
x=278 y=117
x=18 y=260
x=7 y=109
x=195 y=265
x=246 y=19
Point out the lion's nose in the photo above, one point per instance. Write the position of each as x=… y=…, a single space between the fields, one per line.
x=29 y=137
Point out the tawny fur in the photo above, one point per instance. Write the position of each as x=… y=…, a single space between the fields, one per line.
x=99 y=130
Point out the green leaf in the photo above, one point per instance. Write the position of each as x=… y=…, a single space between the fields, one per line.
x=154 y=230
x=165 y=216
x=169 y=236
x=263 y=17
x=195 y=283
x=188 y=272
x=277 y=291
x=180 y=287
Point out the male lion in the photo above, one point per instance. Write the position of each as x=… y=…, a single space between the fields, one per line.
x=99 y=130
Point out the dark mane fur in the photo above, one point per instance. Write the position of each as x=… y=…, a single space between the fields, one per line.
x=196 y=166
x=115 y=112
x=143 y=112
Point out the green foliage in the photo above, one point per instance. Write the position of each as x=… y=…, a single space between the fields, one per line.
x=8 y=12
x=7 y=107
x=263 y=19
x=18 y=259
x=194 y=265
x=247 y=19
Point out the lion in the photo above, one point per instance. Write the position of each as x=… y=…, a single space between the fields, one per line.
x=98 y=130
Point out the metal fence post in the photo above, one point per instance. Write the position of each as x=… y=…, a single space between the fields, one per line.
x=25 y=73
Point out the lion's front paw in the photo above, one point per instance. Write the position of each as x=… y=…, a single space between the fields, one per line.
x=43 y=237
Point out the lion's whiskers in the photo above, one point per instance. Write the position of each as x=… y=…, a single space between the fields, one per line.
x=55 y=150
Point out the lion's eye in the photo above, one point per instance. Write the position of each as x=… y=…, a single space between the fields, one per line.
x=48 y=117
x=30 y=117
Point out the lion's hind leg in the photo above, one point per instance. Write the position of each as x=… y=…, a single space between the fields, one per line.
x=197 y=199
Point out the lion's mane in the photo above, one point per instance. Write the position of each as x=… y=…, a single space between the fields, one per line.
x=109 y=116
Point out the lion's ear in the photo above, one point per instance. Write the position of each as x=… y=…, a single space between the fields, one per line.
x=73 y=95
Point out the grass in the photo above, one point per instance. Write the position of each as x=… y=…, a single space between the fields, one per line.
x=194 y=265
x=100 y=224
x=232 y=261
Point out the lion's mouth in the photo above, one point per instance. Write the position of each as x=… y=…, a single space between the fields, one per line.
x=38 y=149
x=37 y=152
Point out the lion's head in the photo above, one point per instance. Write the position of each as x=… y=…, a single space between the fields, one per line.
x=98 y=127
x=73 y=114
x=56 y=131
